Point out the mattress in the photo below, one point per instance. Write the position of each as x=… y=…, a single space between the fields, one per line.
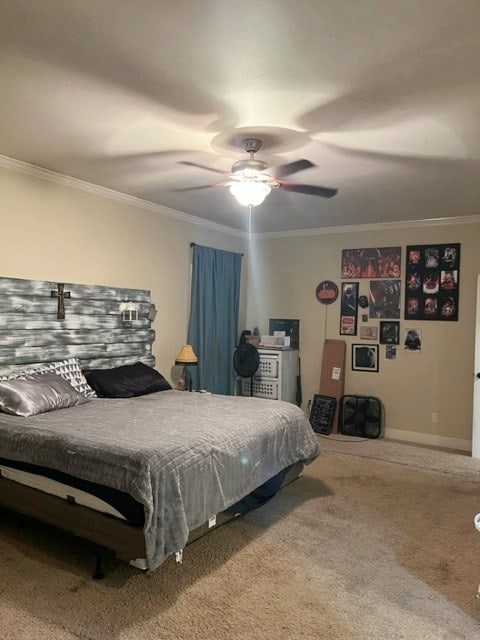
x=109 y=501
x=55 y=488
x=89 y=494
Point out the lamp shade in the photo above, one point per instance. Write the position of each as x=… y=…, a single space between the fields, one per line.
x=250 y=192
x=186 y=356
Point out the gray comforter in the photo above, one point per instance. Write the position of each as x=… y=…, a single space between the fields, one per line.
x=184 y=456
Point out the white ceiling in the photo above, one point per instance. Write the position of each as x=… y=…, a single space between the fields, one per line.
x=383 y=96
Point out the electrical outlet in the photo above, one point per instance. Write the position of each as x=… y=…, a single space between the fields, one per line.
x=434 y=417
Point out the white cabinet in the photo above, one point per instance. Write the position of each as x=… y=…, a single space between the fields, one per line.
x=276 y=376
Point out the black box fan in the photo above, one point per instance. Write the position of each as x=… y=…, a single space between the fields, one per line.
x=360 y=416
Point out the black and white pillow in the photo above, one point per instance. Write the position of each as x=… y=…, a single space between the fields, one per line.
x=68 y=369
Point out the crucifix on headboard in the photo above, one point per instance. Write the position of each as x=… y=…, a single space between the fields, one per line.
x=61 y=294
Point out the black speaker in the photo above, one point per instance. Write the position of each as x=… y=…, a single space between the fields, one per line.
x=360 y=416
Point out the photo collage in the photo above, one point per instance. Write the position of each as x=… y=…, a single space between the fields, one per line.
x=431 y=288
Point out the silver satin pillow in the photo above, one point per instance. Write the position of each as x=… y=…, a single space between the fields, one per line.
x=68 y=369
x=38 y=393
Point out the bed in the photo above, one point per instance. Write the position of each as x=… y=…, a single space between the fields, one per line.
x=143 y=475
x=184 y=457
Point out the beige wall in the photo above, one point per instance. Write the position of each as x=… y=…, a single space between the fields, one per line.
x=49 y=231
x=284 y=275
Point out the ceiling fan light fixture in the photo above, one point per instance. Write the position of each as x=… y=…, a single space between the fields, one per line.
x=250 y=182
x=250 y=193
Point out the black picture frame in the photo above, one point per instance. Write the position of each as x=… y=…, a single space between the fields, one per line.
x=365 y=357
x=349 y=308
x=389 y=332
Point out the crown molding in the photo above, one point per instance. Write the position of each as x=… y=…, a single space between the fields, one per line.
x=381 y=226
x=67 y=181
x=46 y=174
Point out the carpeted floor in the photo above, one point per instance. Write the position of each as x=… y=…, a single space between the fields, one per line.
x=376 y=541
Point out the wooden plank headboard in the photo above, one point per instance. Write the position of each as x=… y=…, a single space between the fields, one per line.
x=31 y=332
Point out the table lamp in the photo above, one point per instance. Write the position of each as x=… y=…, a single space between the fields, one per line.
x=187 y=358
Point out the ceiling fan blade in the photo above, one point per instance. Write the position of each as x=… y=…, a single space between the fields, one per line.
x=203 y=186
x=309 y=189
x=202 y=166
x=292 y=167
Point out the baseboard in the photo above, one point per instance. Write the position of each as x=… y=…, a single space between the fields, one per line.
x=428 y=439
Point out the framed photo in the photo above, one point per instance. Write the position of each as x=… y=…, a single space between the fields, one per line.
x=389 y=332
x=365 y=357
x=349 y=308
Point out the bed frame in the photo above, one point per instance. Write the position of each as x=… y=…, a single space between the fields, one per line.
x=103 y=531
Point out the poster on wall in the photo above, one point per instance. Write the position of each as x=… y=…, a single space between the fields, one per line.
x=432 y=282
x=384 y=299
x=413 y=340
x=369 y=332
x=349 y=309
x=390 y=352
x=383 y=262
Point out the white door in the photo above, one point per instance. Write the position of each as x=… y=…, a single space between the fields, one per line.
x=476 y=382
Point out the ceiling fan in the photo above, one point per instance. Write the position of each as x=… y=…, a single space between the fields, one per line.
x=250 y=182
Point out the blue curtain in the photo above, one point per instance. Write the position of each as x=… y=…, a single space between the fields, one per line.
x=213 y=327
